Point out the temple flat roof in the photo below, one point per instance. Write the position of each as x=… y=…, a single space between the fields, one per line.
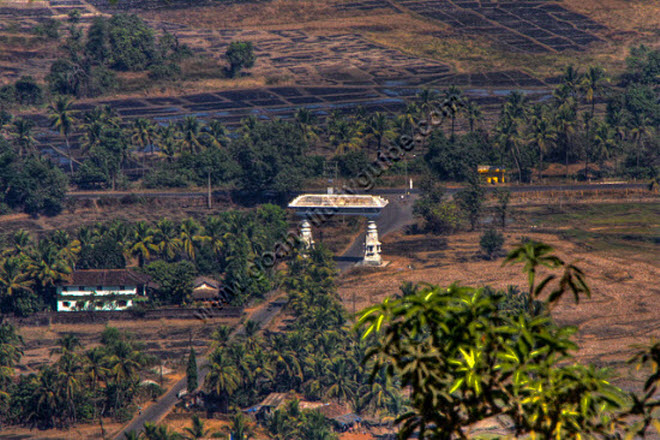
x=338 y=200
x=308 y=205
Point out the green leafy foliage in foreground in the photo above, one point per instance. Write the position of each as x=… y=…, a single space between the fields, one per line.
x=466 y=358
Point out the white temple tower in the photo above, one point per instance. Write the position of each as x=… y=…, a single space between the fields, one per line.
x=306 y=234
x=372 y=245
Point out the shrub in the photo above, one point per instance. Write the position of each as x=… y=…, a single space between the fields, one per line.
x=164 y=71
x=28 y=92
x=240 y=55
x=491 y=243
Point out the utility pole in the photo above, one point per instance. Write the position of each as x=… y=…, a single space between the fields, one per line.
x=208 y=186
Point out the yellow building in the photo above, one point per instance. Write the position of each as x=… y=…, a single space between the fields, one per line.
x=491 y=174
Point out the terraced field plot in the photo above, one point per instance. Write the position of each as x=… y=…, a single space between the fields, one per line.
x=521 y=26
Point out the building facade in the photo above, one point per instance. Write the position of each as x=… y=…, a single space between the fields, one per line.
x=100 y=289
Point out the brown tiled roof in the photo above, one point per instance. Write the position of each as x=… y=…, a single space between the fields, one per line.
x=205 y=280
x=106 y=277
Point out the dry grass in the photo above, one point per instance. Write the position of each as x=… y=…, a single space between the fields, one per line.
x=266 y=14
x=622 y=312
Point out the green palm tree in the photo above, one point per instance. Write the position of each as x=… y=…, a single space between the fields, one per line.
x=13 y=277
x=68 y=249
x=47 y=402
x=345 y=135
x=190 y=129
x=215 y=228
x=565 y=118
x=197 y=430
x=19 y=244
x=216 y=133
x=427 y=100
x=452 y=104
x=307 y=124
x=222 y=379
x=379 y=128
x=542 y=134
x=166 y=238
x=641 y=128
x=240 y=429
x=22 y=134
x=190 y=236
x=142 y=242
x=69 y=373
x=125 y=362
x=571 y=81
x=473 y=112
x=45 y=265
x=341 y=383
x=143 y=133
x=62 y=120
x=592 y=84
x=169 y=142
x=95 y=366
x=159 y=432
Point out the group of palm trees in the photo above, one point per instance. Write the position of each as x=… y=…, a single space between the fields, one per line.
x=319 y=356
x=30 y=268
x=565 y=127
x=79 y=385
x=144 y=137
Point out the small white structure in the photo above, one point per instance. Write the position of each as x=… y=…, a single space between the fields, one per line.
x=100 y=289
x=372 y=246
x=306 y=234
x=321 y=206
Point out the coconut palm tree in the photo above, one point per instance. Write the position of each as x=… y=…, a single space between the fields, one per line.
x=166 y=238
x=427 y=100
x=22 y=134
x=169 y=141
x=141 y=244
x=197 y=430
x=45 y=265
x=216 y=134
x=67 y=248
x=47 y=402
x=592 y=84
x=69 y=375
x=19 y=244
x=473 y=112
x=571 y=81
x=379 y=128
x=190 y=236
x=542 y=133
x=341 y=380
x=62 y=120
x=452 y=104
x=223 y=378
x=345 y=135
x=13 y=277
x=215 y=228
x=190 y=128
x=143 y=134
x=307 y=124
x=239 y=427
x=95 y=366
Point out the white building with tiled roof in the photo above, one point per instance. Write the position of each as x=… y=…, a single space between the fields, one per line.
x=100 y=289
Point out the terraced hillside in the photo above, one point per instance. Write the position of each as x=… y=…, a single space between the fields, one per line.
x=340 y=54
